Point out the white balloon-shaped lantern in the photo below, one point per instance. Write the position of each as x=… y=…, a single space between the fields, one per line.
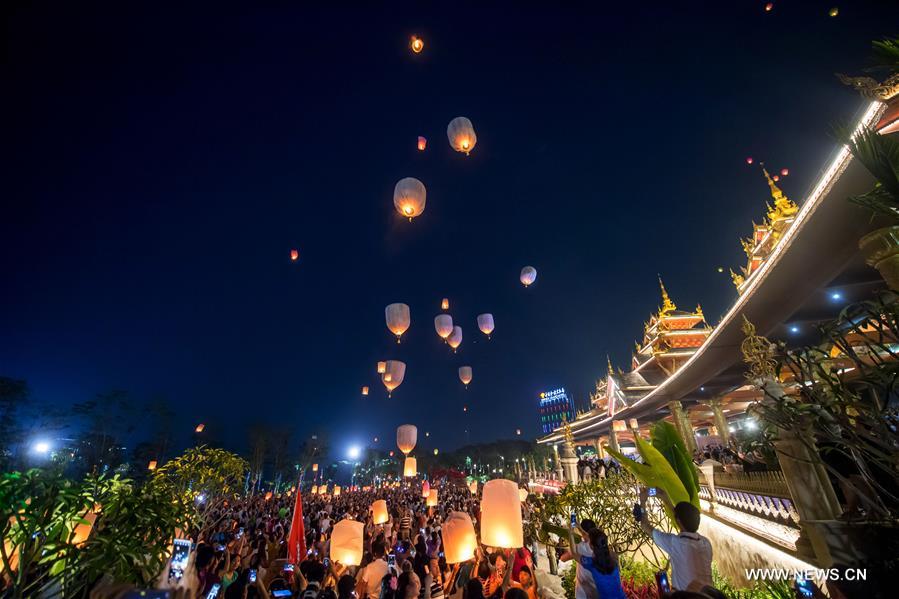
x=461 y=135
x=346 y=542
x=443 y=323
x=486 y=324
x=455 y=338
x=528 y=275
x=409 y=197
x=398 y=319
x=501 y=524
x=459 y=539
x=394 y=372
x=406 y=437
x=379 y=512
x=465 y=374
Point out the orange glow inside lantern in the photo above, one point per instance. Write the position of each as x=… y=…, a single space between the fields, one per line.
x=346 y=542
x=417 y=44
x=425 y=490
x=391 y=454
x=294 y=255
x=314 y=490
x=364 y=390
x=444 y=305
x=388 y=377
x=410 y=467
x=336 y=490
x=784 y=172
x=422 y=143
x=82 y=531
x=268 y=495
x=432 y=498
x=315 y=467
x=459 y=539
x=473 y=487
x=151 y=465
x=382 y=367
x=379 y=512
x=501 y=524
x=199 y=428
x=769 y=7
x=436 y=451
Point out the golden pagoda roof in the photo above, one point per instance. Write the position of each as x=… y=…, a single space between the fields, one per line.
x=783 y=207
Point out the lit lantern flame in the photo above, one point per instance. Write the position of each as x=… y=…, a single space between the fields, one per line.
x=784 y=172
x=364 y=390
x=501 y=524
x=749 y=160
x=422 y=143
x=388 y=377
x=294 y=255
x=199 y=428
x=410 y=467
x=455 y=338
x=151 y=465
x=268 y=495
x=432 y=498
x=486 y=324
x=465 y=375
x=833 y=11
x=391 y=453
x=346 y=542
x=382 y=367
x=410 y=197
x=459 y=539
x=417 y=44
x=443 y=323
x=444 y=305
x=315 y=467
x=517 y=431
x=379 y=512
x=769 y=7
x=462 y=137
x=398 y=319
x=776 y=177
x=528 y=276
x=406 y=438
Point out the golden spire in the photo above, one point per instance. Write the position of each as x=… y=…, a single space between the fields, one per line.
x=609 y=368
x=783 y=206
x=667 y=304
x=699 y=311
x=737 y=279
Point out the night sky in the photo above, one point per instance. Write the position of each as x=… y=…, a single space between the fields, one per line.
x=161 y=161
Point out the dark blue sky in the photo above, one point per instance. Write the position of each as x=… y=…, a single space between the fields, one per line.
x=161 y=161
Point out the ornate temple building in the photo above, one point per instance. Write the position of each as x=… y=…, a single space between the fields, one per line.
x=670 y=337
x=765 y=236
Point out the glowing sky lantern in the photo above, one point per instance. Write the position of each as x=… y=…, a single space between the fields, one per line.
x=82 y=530
x=784 y=172
x=410 y=467
x=379 y=512
x=444 y=305
x=314 y=490
x=432 y=499
x=336 y=490
x=364 y=390
x=473 y=487
x=486 y=324
x=443 y=323
x=455 y=338
x=776 y=177
x=315 y=467
x=406 y=437
x=409 y=197
x=833 y=11
x=749 y=160
x=425 y=489
x=465 y=374
x=268 y=495
x=769 y=7
x=382 y=367
x=393 y=377
x=517 y=431
x=417 y=44
x=151 y=465
x=346 y=542
x=398 y=319
x=294 y=255
x=422 y=143
x=528 y=276
x=501 y=524
x=462 y=137
x=459 y=539
x=436 y=451
x=199 y=428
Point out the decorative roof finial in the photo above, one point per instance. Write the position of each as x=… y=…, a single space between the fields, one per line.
x=783 y=206
x=609 y=365
x=667 y=304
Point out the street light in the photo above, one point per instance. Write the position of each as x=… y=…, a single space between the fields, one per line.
x=354 y=452
x=41 y=447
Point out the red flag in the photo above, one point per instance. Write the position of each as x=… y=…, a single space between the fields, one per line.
x=296 y=548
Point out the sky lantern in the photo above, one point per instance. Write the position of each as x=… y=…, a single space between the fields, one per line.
x=769 y=7
x=443 y=323
x=425 y=490
x=749 y=160
x=199 y=428
x=82 y=530
x=268 y=495
x=314 y=490
x=336 y=490
x=151 y=465
x=379 y=512
x=346 y=542
x=784 y=172
x=422 y=143
x=465 y=374
x=486 y=324
x=833 y=12
x=398 y=319
x=776 y=177
x=444 y=305
x=528 y=276
x=464 y=408
x=455 y=338
x=473 y=487
x=406 y=437
x=417 y=44
x=294 y=255
x=364 y=389
x=462 y=137
x=432 y=498
x=410 y=467
x=393 y=378
x=382 y=367
x=391 y=453
x=427 y=434
x=459 y=539
x=501 y=514
x=517 y=431
x=436 y=451
x=409 y=197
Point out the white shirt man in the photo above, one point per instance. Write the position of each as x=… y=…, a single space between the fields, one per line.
x=369 y=578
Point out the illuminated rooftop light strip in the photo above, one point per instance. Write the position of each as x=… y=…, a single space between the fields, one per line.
x=836 y=168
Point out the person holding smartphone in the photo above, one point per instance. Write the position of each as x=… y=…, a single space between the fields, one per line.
x=584 y=587
x=601 y=565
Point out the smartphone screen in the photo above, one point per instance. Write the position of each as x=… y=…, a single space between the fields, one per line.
x=288 y=567
x=804 y=587
x=281 y=593
x=251 y=576
x=573 y=519
x=652 y=491
x=180 y=553
x=662 y=581
x=214 y=591
x=326 y=562
x=391 y=560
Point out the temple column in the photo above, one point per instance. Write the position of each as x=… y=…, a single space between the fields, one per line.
x=720 y=421
x=600 y=452
x=569 y=463
x=613 y=439
x=683 y=425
